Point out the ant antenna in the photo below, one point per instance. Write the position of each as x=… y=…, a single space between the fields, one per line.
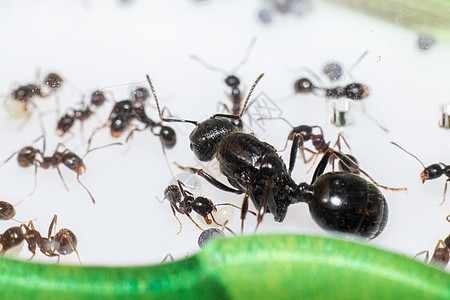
x=277 y=118
x=363 y=105
x=246 y=56
x=249 y=94
x=410 y=154
x=208 y=66
x=87 y=190
x=101 y=147
x=159 y=109
x=350 y=69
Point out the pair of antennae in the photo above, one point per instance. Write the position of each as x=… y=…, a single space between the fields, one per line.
x=223 y=71
x=244 y=107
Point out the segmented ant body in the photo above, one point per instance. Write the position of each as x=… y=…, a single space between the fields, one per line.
x=431 y=172
x=64 y=242
x=343 y=202
x=7 y=210
x=20 y=101
x=441 y=253
x=352 y=91
x=184 y=202
x=125 y=111
x=67 y=121
x=28 y=156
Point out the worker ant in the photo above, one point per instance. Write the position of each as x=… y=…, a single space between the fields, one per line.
x=184 y=202
x=441 y=253
x=28 y=156
x=63 y=242
x=20 y=101
x=338 y=201
x=432 y=171
x=67 y=121
x=125 y=111
x=231 y=80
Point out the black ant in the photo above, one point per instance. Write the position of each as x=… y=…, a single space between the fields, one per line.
x=19 y=103
x=12 y=237
x=184 y=202
x=66 y=122
x=63 y=242
x=28 y=156
x=432 y=171
x=338 y=201
x=441 y=253
x=231 y=80
x=125 y=111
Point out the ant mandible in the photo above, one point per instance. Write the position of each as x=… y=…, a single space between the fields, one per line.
x=64 y=242
x=432 y=171
x=341 y=201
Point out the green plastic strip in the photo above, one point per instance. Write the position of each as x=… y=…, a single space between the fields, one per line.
x=248 y=267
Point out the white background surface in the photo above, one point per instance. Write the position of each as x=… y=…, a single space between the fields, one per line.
x=103 y=43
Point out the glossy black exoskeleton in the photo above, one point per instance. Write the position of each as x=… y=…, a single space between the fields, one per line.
x=353 y=91
x=11 y=238
x=342 y=202
x=431 y=172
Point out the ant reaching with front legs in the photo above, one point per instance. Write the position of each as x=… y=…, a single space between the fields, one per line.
x=338 y=201
x=184 y=202
x=432 y=171
x=441 y=253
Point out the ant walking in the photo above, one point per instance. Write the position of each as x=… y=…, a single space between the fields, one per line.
x=184 y=202
x=432 y=171
x=64 y=242
x=338 y=201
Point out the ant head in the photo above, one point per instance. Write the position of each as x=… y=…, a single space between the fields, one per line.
x=356 y=91
x=53 y=81
x=140 y=95
x=98 y=98
x=303 y=85
x=64 y=124
x=431 y=172
x=65 y=241
x=208 y=134
x=172 y=193
x=7 y=210
x=168 y=136
x=27 y=156
x=304 y=130
x=232 y=81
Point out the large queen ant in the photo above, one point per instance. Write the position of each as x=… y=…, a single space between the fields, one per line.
x=338 y=201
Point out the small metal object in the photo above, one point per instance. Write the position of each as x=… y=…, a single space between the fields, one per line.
x=340 y=115
x=445 y=116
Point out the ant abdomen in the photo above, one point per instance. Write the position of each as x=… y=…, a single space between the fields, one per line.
x=7 y=210
x=168 y=137
x=27 y=156
x=73 y=162
x=303 y=85
x=347 y=203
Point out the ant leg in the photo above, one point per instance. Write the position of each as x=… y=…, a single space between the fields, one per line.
x=244 y=209
x=11 y=156
x=189 y=216
x=338 y=142
x=264 y=201
x=322 y=165
x=353 y=167
x=313 y=156
x=445 y=192
x=53 y=223
x=297 y=142
x=175 y=215
x=167 y=257
x=62 y=178
x=223 y=106
x=35 y=179
x=87 y=190
x=426 y=255
x=208 y=220
x=209 y=178
x=235 y=206
x=363 y=105
x=95 y=131
x=448 y=218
